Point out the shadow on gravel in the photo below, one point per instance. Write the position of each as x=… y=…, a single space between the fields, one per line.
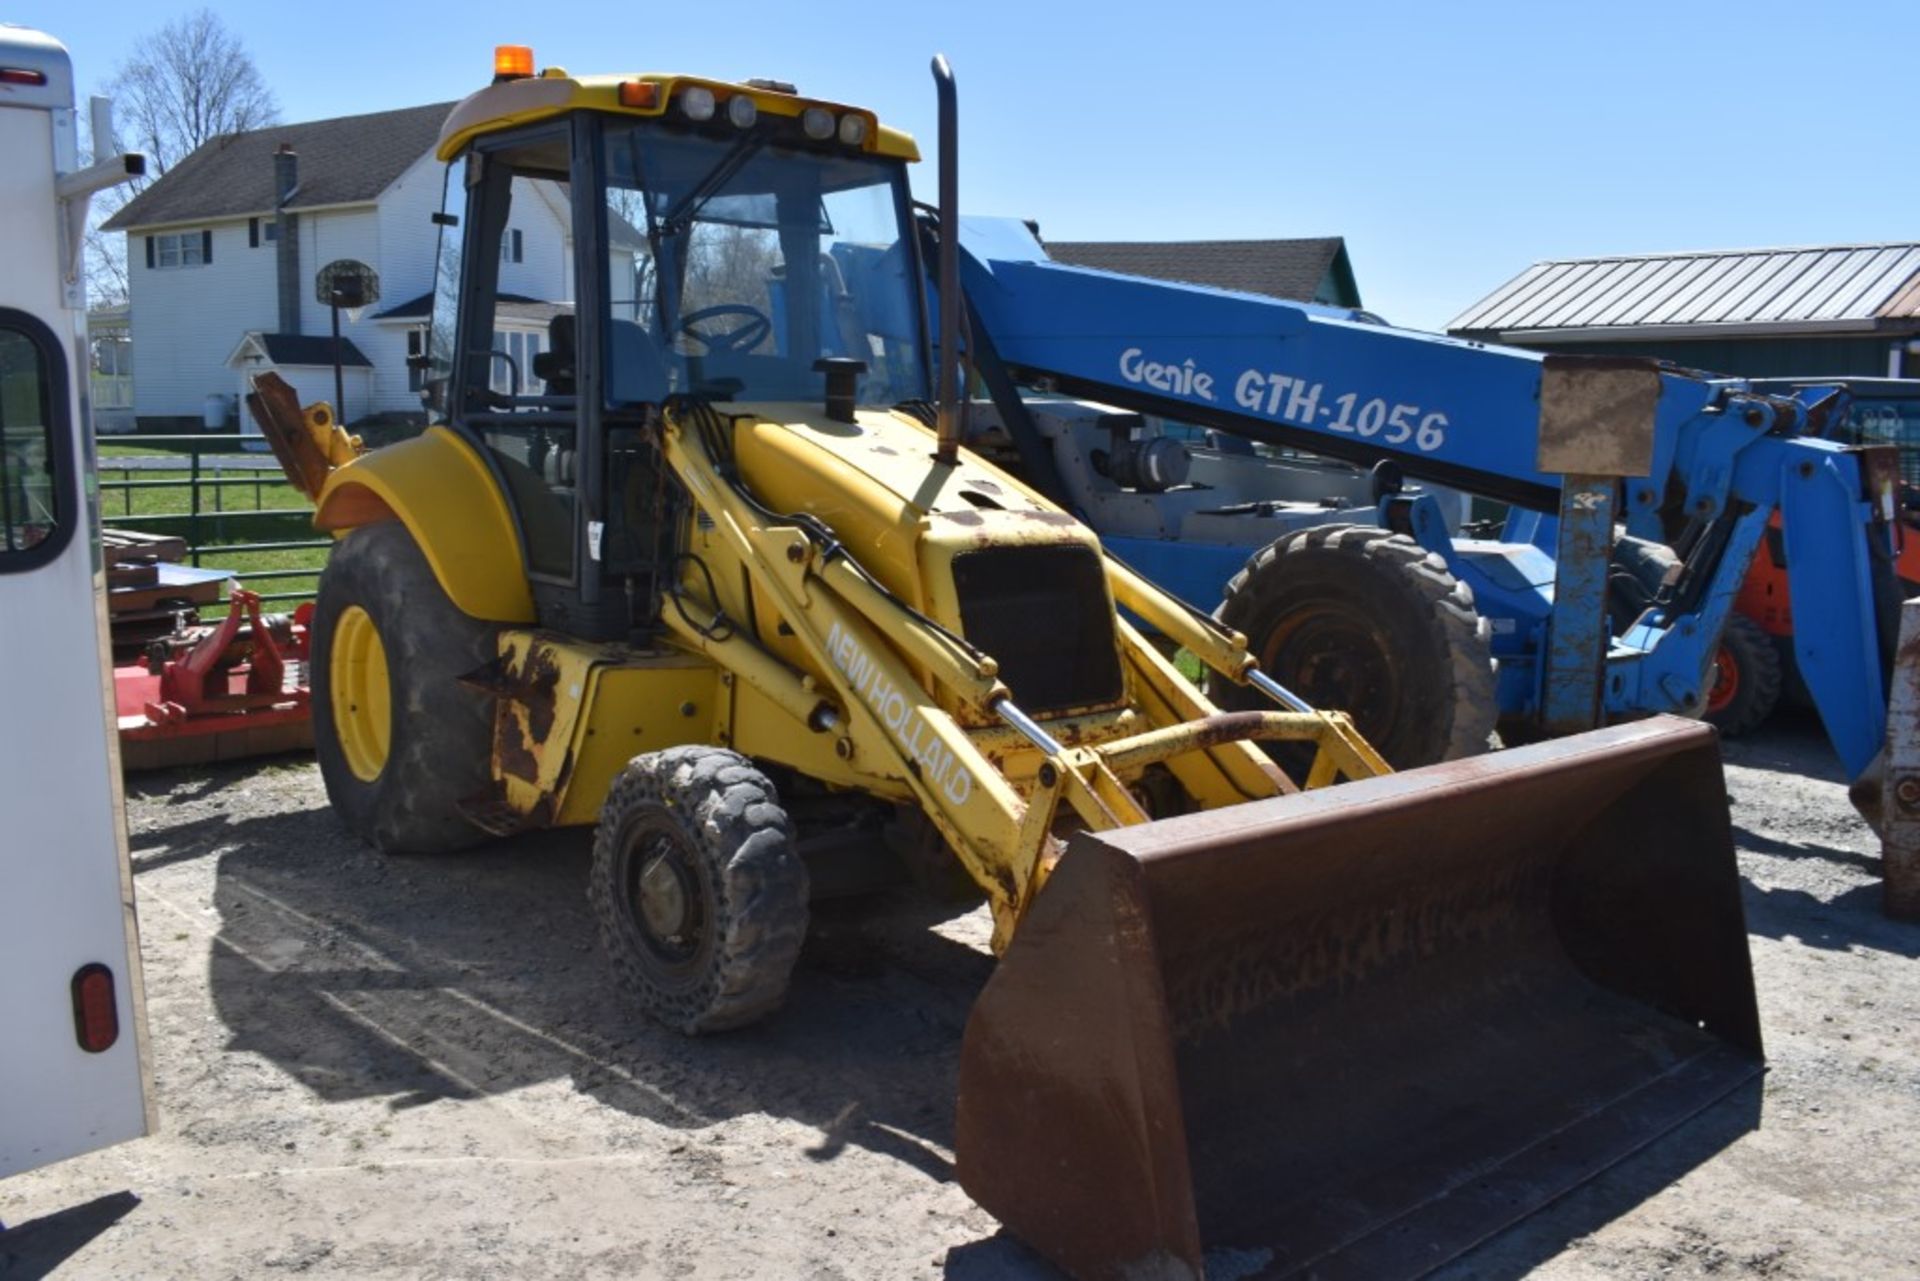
x=32 y=1250
x=1511 y=1254
x=1760 y=843
x=427 y=978
x=418 y=979
x=1792 y=742
x=999 y=1257
x=1850 y=920
x=1586 y=1209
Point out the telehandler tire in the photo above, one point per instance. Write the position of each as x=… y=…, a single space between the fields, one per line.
x=700 y=897
x=1362 y=620
x=400 y=741
x=1744 y=679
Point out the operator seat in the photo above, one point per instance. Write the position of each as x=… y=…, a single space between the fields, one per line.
x=556 y=365
x=637 y=371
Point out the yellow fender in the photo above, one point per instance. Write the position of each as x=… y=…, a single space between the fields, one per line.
x=438 y=486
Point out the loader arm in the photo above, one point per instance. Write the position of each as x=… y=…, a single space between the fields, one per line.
x=1592 y=442
x=994 y=797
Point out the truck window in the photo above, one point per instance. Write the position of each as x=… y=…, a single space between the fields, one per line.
x=35 y=507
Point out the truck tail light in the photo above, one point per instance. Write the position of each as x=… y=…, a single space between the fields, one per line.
x=96 y=1020
x=21 y=76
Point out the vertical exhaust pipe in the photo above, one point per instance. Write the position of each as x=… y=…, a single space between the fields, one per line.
x=949 y=399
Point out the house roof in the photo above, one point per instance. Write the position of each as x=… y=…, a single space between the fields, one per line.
x=1831 y=287
x=346 y=160
x=515 y=306
x=1292 y=269
x=303 y=349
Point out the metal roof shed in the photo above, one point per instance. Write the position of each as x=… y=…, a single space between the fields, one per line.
x=1836 y=309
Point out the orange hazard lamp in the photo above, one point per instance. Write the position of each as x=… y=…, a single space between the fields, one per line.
x=512 y=62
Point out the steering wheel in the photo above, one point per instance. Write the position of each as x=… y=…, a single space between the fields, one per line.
x=742 y=338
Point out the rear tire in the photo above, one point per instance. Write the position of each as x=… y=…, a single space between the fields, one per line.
x=400 y=741
x=700 y=897
x=1745 y=678
x=1365 y=621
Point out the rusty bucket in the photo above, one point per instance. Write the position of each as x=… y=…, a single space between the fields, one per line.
x=1353 y=1032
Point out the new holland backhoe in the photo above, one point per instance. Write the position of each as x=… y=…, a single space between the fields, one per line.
x=692 y=554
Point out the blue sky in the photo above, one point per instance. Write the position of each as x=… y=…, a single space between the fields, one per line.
x=1451 y=144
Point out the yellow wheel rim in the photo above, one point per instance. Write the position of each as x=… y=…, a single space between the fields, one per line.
x=361 y=695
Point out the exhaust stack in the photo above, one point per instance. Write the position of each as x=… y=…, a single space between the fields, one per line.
x=949 y=399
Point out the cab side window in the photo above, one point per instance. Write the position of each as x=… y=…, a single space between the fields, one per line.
x=36 y=505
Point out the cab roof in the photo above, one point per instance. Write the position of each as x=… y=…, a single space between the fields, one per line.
x=554 y=93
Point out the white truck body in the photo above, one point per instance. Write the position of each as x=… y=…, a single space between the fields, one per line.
x=73 y=1051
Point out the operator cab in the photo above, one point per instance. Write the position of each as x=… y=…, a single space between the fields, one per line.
x=720 y=241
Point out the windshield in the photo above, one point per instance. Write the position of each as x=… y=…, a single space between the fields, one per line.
x=733 y=264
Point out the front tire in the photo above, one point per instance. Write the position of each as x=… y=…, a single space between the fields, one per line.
x=1365 y=621
x=1744 y=679
x=700 y=897
x=401 y=742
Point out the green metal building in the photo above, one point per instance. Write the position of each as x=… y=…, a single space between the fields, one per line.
x=1758 y=313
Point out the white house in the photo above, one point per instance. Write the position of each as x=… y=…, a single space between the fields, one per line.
x=215 y=295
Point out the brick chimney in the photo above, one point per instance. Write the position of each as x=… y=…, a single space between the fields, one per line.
x=286 y=183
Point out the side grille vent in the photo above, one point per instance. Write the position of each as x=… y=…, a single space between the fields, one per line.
x=1042 y=612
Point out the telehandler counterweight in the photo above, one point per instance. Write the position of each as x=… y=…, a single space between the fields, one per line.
x=710 y=572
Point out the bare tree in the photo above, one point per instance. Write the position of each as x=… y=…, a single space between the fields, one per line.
x=104 y=252
x=191 y=81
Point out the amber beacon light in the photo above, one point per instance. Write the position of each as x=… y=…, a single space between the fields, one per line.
x=512 y=62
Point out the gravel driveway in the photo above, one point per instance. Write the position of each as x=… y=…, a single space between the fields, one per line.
x=375 y=1067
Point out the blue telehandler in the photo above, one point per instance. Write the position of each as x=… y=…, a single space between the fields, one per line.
x=1638 y=495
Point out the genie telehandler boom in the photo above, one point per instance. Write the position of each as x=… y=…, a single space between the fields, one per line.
x=710 y=570
x=1368 y=603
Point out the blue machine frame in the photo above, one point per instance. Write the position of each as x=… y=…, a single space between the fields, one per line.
x=1560 y=438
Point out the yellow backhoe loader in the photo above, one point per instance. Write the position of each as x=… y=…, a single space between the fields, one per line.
x=692 y=554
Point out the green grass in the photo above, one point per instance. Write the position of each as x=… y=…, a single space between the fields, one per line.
x=226 y=517
x=1190 y=665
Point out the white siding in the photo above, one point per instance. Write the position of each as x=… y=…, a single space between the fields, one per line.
x=330 y=236
x=409 y=240
x=408 y=236
x=386 y=346
x=311 y=384
x=542 y=272
x=186 y=321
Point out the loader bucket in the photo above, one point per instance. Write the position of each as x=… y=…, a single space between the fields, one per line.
x=1353 y=1032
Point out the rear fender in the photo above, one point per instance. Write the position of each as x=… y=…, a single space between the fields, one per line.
x=439 y=487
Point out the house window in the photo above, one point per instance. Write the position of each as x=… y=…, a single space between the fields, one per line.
x=180 y=249
x=531 y=346
x=112 y=355
x=512 y=248
x=516 y=350
x=36 y=507
x=261 y=231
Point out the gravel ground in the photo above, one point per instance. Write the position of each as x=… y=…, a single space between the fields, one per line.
x=371 y=1067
